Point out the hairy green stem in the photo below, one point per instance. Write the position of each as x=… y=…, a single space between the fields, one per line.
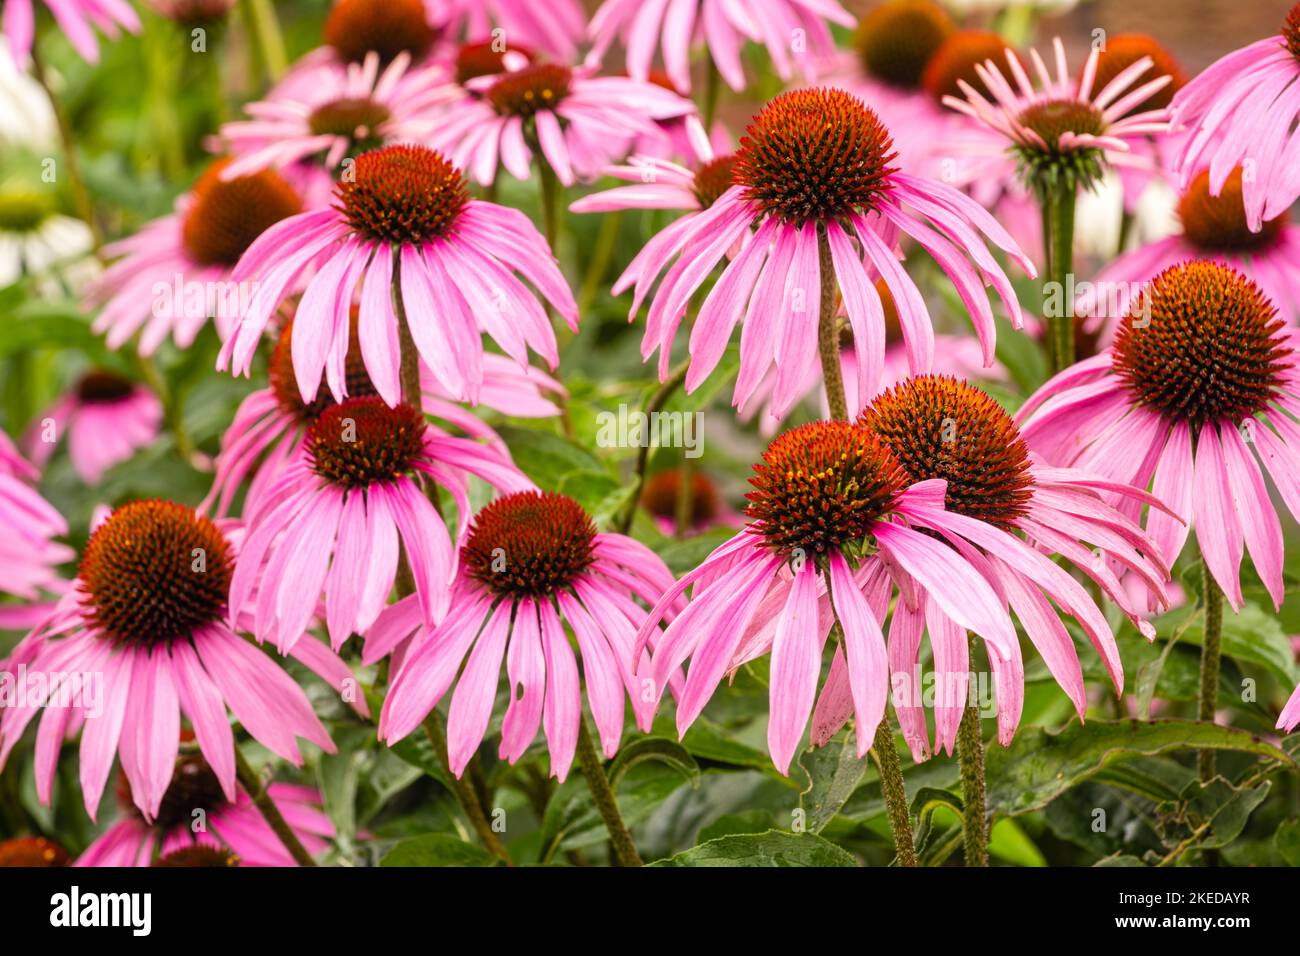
x=895 y=792
x=970 y=757
x=656 y=402
x=550 y=200
x=828 y=332
x=464 y=791
x=1211 y=652
x=593 y=768
x=1058 y=247
x=253 y=785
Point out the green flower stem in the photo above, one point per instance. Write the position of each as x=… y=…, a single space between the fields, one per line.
x=712 y=89
x=894 y=791
x=685 y=503
x=828 y=332
x=593 y=768
x=1211 y=652
x=1058 y=246
x=464 y=791
x=598 y=264
x=550 y=184
x=264 y=34
x=970 y=756
x=80 y=194
x=655 y=403
x=253 y=785
x=886 y=754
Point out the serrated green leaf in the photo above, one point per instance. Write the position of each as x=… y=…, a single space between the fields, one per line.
x=774 y=848
x=437 y=849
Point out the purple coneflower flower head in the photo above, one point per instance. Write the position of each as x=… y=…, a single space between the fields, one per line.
x=675 y=27
x=1004 y=511
x=106 y=418
x=814 y=198
x=76 y=18
x=199 y=824
x=555 y=28
x=662 y=498
x=356 y=492
x=531 y=563
x=270 y=423
x=193 y=13
x=1213 y=228
x=340 y=115
x=29 y=555
x=1242 y=110
x=150 y=288
x=1198 y=389
x=832 y=514
x=579 y=121
x=1067 y=127
x=148 y=613
x=403 y=210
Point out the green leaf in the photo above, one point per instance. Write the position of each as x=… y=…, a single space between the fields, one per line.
x=663 y=749
x=749 y=822
x=1212 y=815
x=1039 y=766
x=774 y=848
x=337 y=774
x=437 y=849
x=834 y=772
x=1287 y=841
x=548 y=459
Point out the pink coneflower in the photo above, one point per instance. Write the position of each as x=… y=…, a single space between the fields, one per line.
x=1242 y=110
x=193 y=12
x=555 y=27
x=813 y=192
x=106 y=418
x=1068 y=125
x=76 y=18
x=531 y=563
x=722 y=27
x=832 y=511
x=32 y=853
x=1290 y=718
x=270 y=423
x=198 y=824
x=29 y=555
x=148 y=613
x=337 y=116
x=1213 y=228
x=175 y=274
x=579 y=121
x=1008 y=507
x=355 y=492
x=1201 y=372
x=403 y=211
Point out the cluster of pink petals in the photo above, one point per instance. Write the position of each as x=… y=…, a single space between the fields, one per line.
x=555 y=27
x=748 y=600
x=676 y=27
x=263 y=438
x=279 y=132
x=777 y=266
x=1113 y=101
x=658 y=183
x=1085 y=417
x=155 y=259
x=236 y=826
x=592 y=126
x=144 y=693
x=454 y=289
x=76 y=18
x=29 y=556
x=600 y=606
x=301 y=520
x=1242 y=110
x=100 y=433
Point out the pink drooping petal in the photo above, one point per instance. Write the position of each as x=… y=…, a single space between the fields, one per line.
x=796 y=665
